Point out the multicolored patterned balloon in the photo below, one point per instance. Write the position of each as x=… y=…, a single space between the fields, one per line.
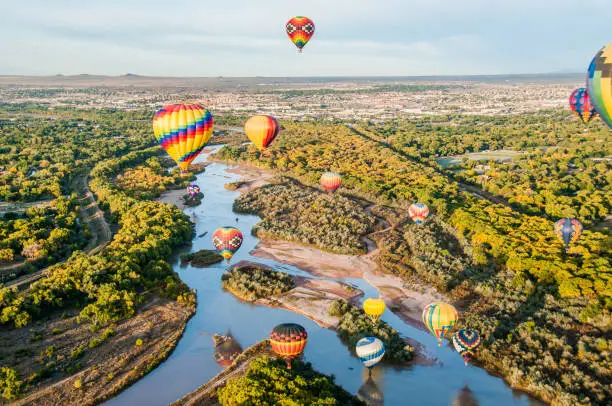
x=193 y=190
x=288 y=341
x=182 y=131
x=300 y=30
x=599 y=83
x=227 y=240
x=568 y=230
x=466 y=341
x=370 y=351
x=580 y=103
x=261 y=130
x=418 y=212
x=331 y=181
x=374 y=308
x=440 y=317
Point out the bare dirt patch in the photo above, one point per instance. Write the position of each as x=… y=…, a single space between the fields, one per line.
x=79 y=372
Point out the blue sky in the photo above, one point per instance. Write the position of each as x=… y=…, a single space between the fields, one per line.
x=353 y=37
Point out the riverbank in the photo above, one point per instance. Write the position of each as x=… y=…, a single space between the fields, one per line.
x=107 y=361
x=404 y=300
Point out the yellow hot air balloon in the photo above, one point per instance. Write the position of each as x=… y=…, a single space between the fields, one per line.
x=440 y=317
x=261 y=130
x=374 y=308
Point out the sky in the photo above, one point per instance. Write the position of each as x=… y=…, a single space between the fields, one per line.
x=352 y=38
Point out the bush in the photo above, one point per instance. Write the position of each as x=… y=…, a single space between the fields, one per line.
x=202 y=258
x=10 y=385
x=269 y=382
x=253 y=282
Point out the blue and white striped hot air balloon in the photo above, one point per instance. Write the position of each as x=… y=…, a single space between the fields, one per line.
x=370 y=351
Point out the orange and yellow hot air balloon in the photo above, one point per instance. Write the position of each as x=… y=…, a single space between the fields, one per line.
x=331 y=181
x=261 y=130
x=288 y=341
x=440 y=317
x=300 y=30
x=374 y=308
x=182 y=131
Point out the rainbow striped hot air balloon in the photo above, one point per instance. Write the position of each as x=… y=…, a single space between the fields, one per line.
x=261 y=130
x=599 y=83
x=227 y=240
x=370 y=351
x=466 y=341
x=288 y=341
x=182 y=131
x=440 y=317
x=568 y=230
x=374 y=308
x=300 y=30
x=418 y=212
x=331 y=181
x=581 y=105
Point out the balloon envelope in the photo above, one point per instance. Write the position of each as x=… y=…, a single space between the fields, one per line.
x=182 y=131
x=374 y=308
x=370 y=351
x=300 y=30
x=440 y=317
x=580 y=103
x=227 y=240
x=599 y=83
x=288 y=341
x=331 y=181
x=466 y=341
x=261 y=130
x=568 y=230
x=418 y=212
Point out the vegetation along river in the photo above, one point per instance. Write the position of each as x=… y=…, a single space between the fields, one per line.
x=192 y=362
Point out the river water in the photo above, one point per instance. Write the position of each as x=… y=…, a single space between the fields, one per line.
x=192 y=362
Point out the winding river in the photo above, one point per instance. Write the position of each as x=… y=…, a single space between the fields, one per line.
x=192 y=363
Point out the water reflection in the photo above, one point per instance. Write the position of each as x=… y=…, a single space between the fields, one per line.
x=227 y=349
x=370 y=392
x=465 y=397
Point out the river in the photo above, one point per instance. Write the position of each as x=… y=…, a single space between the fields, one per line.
x=192 y=363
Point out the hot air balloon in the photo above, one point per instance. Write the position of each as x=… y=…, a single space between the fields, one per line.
x=331 y=181
x=580 y=103
x=261 y=130
x=227 y=349
x=193 y=190
x=466 y=341
x=439 y=317
x=227 y=240
x=370 y=351
x=599 y=83
x=374 y=308
x=288 y=341
x=183 y=130
x=300 y=30
x=568 y=230
x=418 y=212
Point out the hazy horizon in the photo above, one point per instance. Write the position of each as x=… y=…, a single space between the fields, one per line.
x=191 y=38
